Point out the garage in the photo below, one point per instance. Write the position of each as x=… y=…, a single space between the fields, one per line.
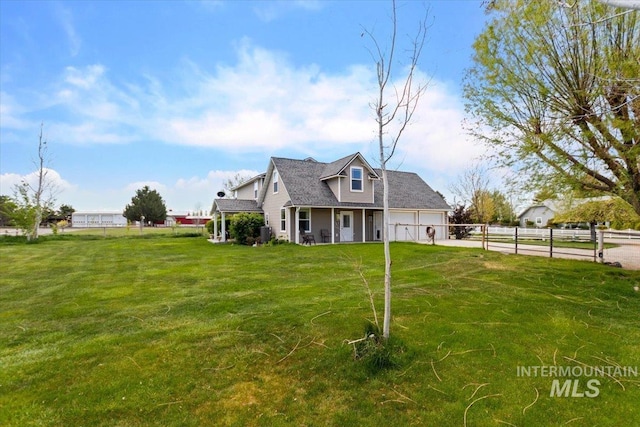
x=403 y=226
x=411 y=226
x=434 y=219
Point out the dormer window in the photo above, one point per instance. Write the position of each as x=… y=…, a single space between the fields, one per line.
x=275 y=182
x=356 y=178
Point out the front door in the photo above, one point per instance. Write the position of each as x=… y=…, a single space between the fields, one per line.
x=346 y=226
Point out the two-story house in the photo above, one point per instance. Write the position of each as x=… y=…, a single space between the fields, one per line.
x=336 y=202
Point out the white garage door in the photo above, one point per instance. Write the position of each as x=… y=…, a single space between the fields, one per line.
x=402 y=226
x=430 y=218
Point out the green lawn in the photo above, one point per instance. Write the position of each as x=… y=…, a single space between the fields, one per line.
x=179 y=332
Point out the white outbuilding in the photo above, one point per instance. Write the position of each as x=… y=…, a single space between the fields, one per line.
x=86 y=219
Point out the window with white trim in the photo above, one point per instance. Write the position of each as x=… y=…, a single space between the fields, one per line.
x=255 y=189
x=275 y=182
x=356 y=178
x=283 y=219
x=304 y=220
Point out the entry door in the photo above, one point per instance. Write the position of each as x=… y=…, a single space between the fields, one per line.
x=346 y=226
x=377 y=226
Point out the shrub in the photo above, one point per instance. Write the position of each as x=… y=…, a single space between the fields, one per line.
x=460 y=215
x=245 y=227
x=209 y=226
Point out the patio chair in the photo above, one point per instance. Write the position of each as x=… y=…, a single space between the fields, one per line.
x=307 y=238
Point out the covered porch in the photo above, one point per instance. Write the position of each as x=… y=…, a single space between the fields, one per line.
x=223 y=207
x=335 y=225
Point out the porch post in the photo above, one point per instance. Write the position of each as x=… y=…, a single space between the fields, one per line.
x=364 y=225
x=333 y=225
x=223 y=227
x=296 y=223
x=215 y=225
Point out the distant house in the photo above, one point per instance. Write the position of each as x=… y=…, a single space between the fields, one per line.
x=336 y=202
x=540 y=213
x=87 y=219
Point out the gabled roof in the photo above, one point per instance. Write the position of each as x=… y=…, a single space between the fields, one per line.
x=338 y=167
x=305 y=184
x=249 y=181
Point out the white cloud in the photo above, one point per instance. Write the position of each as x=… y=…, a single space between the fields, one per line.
x=436 y=139
x=189 y=193
x=65 y=19
x=272 y=10
x=262 y=103
x=55 y=185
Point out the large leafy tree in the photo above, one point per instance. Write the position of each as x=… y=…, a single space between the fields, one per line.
x=147 y=203
x=555 y=90
x=615 y=210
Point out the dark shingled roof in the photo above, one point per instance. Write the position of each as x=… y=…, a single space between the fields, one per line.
x=236 y=205
x=334 y=168
x=304 y=184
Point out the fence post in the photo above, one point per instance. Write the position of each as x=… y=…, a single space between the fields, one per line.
x=485 y=237
x=516 y=240
x=601 y=245
x=551 y=243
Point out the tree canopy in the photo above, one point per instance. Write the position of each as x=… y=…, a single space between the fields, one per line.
x=555 y=91
x=147 y=203
x=614 y=210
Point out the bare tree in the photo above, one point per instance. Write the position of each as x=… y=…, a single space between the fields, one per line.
x=472 y=188
x=231 y=183
x=394 y=108
x=34 y=198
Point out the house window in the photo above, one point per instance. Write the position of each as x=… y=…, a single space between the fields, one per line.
x=255 y=189
x=304 y=220
x=538 y=221
x=356 y=179
x=283 y=219
x=275 y=182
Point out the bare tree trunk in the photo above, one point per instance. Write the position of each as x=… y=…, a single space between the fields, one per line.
x=400 y=112
x=39 y=190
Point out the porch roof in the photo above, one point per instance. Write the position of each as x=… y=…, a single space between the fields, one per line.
x=235 y=205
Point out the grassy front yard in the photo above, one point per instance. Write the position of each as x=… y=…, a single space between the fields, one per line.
x=176 y=331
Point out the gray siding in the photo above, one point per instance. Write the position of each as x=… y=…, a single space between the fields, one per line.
x=272 y=204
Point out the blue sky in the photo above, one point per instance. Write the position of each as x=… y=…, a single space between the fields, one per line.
x=182 y=95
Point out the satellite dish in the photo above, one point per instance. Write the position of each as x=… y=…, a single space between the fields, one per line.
x=221 y=194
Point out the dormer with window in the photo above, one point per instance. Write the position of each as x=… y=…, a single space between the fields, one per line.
x=351 y=179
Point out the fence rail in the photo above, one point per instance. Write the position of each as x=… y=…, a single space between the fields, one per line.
x=617 y=247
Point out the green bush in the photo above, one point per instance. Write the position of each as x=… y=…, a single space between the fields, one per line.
x=245 y=227
x=209 y=226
